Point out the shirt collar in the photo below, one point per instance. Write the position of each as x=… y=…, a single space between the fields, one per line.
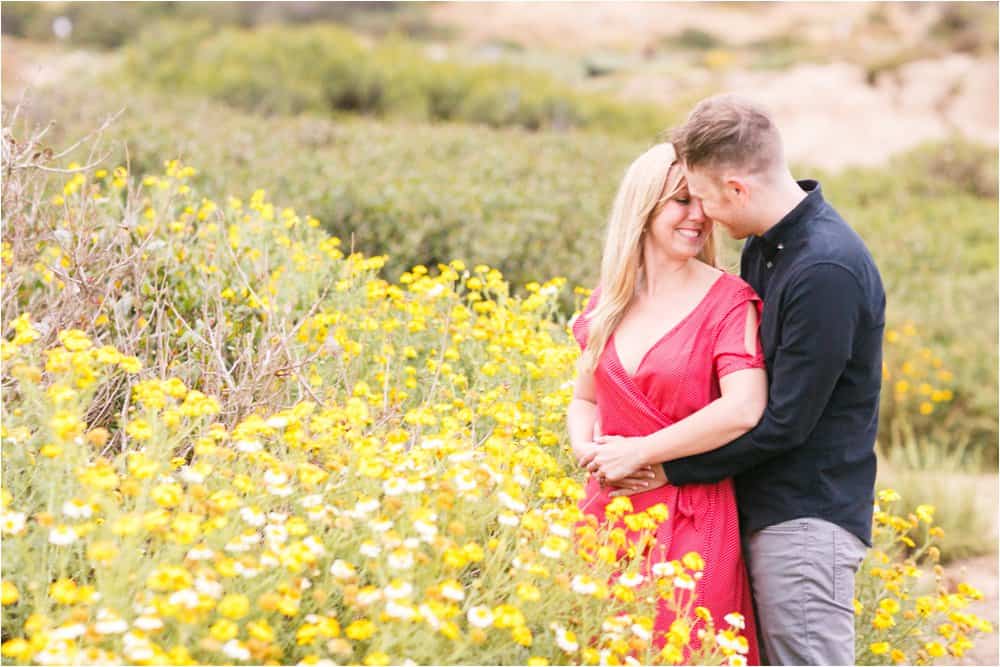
x=789 y=228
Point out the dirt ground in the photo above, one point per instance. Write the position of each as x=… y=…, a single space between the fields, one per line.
x=831 y=116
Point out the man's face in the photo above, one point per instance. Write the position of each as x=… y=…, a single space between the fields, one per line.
x=708 y=186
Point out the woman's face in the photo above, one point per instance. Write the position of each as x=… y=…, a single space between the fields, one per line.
x=680 y=228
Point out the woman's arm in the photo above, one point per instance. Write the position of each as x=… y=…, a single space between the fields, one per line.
x=581 y=415
x=736 y=411
x=739 y=409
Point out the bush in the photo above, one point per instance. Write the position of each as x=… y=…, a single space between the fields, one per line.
x=534 y=205
x=323 y=68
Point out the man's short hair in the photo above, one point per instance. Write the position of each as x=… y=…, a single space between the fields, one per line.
x=727 y=130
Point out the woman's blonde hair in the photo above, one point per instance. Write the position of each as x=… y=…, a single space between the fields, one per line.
x=650 y=182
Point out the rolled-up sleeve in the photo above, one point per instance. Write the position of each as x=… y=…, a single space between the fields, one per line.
x=822 y=312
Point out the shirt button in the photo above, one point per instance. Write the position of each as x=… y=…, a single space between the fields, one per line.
x=770 y=264
x=781 y=246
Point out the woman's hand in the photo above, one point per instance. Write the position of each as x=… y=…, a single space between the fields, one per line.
x=614 y=458
x=646 y=478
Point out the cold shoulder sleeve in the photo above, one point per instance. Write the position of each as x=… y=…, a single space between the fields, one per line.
x=581 y=326
x=730 y=352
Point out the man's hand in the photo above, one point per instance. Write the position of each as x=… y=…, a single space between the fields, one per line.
x=645 y=478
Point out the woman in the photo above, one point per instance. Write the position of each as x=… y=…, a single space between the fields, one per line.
x=665 y=335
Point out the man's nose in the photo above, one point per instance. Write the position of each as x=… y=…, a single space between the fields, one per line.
x=695 y=211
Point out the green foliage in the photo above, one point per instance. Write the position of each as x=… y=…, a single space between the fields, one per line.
x=324 y=68
x=113 y=24
x=534 y=205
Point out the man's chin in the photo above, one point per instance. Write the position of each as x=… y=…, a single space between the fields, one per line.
x=736 y=234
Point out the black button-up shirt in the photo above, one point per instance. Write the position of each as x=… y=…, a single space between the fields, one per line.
x=812 y=454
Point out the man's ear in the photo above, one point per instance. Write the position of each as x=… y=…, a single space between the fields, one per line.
x=737 y=188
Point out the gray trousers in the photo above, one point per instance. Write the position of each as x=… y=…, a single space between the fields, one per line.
x=802 y=576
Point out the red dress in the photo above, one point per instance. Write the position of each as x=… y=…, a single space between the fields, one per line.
x=678 y=376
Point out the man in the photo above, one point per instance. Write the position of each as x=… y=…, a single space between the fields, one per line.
x=805 y=474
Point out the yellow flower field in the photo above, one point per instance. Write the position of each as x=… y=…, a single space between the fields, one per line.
x=226 y=439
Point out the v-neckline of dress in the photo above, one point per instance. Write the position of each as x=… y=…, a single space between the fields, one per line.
x=632 y=376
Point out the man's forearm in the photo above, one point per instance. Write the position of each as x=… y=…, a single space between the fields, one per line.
x=718 y=423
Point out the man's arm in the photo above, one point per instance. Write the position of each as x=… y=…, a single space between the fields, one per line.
x=822 y=312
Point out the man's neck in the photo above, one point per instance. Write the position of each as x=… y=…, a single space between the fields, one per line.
x=779 y=202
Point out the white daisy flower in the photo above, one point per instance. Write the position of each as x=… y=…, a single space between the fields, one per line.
x=464 y=481
x=560 y=530
x=462 y=456
x=250 y=537
x=452 y=591
x=68 y=632
x=342 y=570
x=253 y=516
x=584 y=585
x=200 y=553
x=212 y=589
x=249 y=446
x=394 y=487
x=684 y=582
x=314 y=545
x=147 y=623
x=77 y=509
x=12 y=523
x=186 y=598
x=736 y=620
x=369 y=595
x=370 y=549
x=236 y=650
x=366 y=506
x=244 y=571
x=431 y=443
x=277 y=422
x=416 y=486
x=400 y=559
x=508 y=519
x=109 y=623
x=427 y=530
x=631 y=579
x=62 y=535
x=311 y=501
x=275 y=478
x=275 y=534
x=566 y=640
x=235 y=546
x=480 y=616
x=663 y=569
x=511 y=503
x=380 y=526
x=281 y=491
x=398 y=590
x=399 y=611
x=191 y=476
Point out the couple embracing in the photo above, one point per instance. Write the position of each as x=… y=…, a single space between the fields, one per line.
x=748 y=405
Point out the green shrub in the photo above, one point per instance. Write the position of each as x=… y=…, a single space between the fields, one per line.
x=534 y=205
x=324 y=68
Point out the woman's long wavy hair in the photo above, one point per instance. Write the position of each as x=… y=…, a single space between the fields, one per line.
x=650 y=182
